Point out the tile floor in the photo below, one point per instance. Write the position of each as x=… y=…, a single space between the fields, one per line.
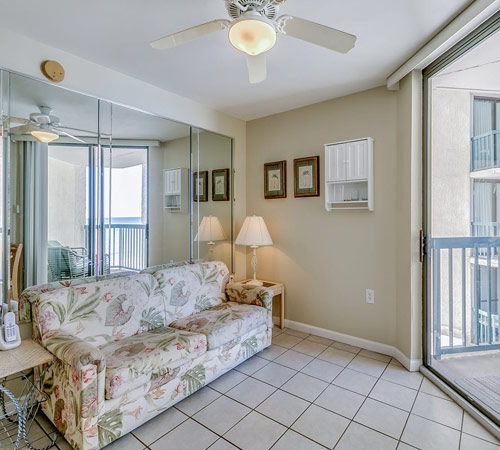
x=307 y=392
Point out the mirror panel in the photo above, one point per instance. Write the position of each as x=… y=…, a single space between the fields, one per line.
x=212 y=197
x=112 y=191
x=150 y=207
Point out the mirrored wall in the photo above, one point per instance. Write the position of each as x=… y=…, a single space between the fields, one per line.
x=91 y=189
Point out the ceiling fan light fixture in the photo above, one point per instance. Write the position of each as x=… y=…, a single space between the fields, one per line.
x=45 y=136
x=252 y=35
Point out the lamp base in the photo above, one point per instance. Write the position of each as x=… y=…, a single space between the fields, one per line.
x=254 y=283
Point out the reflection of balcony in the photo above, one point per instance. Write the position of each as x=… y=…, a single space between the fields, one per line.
x=485 y=149
x=125 y=246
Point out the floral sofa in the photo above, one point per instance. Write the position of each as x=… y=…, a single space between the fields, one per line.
x=129 y=347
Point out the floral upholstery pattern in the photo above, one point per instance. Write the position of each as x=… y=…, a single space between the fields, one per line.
x=122 y=415
x=31 y=295
x=118 y=364
x=150 y=356
x=104 y=311
x=151 y=270
x=192 y=288
x=252 y=295
x=74 y=385
x=224 y=323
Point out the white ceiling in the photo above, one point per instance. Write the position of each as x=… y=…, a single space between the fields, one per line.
x=116 y=33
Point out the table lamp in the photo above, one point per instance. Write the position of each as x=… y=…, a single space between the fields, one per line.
x=210 y=230
x=254 y=234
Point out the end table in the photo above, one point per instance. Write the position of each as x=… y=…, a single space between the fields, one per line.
x=17 y=414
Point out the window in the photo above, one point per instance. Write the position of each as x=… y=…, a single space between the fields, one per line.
x=485 y=134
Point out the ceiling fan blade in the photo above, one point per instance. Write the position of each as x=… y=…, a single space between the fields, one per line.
x=315 y=33
x=69 y=135
x=190 y=34
x=257 y=68
x=18 y=120
x=23 y=129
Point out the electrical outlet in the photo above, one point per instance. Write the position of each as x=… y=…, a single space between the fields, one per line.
x=370 y=296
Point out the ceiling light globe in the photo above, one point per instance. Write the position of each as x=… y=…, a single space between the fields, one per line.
x=252 y=36
x=44 y=136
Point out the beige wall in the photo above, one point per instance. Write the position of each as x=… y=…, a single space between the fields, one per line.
x=169 y=232
x=328 y=259
x=409 y=217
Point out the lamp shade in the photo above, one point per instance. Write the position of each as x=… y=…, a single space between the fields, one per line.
x=254 y=233
x=210 y=230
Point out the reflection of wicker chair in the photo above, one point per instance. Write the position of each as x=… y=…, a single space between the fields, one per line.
x=66 y=262
x=15 y=259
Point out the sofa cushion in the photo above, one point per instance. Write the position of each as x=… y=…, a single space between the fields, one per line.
x=224 y=323
x=103 y=311
x=154 y=355
x=191 y=288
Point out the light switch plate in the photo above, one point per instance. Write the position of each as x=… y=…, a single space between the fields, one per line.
x=370 y=296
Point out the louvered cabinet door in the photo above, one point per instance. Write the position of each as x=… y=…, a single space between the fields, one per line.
x=357 y=160
x=337 y=162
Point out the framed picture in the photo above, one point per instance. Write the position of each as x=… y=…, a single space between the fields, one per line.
x=306 y=177
x=220 y=185
x=200 y=186
x=275 y=180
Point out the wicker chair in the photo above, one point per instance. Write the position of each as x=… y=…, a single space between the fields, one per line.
x=66 y=262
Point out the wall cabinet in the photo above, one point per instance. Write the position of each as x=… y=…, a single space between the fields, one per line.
x=349 y=175
x=175 y=189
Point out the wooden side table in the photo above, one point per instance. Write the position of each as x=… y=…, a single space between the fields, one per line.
x=17 y=414
x=278 y=290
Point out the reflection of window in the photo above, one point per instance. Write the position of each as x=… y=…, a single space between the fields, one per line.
x=486 y=208
x=486 y=133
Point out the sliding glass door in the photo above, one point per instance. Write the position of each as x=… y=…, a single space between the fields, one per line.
x=463 y=219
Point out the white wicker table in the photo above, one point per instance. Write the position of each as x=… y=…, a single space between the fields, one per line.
x=17 y=412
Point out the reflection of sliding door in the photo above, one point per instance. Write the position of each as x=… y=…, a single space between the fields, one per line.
x=97 y=210
x=125 y=208
x=69 y=247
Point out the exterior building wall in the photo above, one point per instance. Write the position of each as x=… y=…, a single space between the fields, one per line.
x=67 y=203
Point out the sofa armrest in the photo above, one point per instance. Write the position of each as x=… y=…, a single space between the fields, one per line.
x=75 y=386
x=72 y=350
x=252 y=295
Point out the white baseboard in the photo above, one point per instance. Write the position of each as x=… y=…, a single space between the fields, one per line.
x=412 y=365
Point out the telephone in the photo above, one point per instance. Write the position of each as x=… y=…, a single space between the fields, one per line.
x=9 y=332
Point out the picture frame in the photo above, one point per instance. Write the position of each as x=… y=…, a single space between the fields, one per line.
x=275 y=180
x=220 y=185
x=306 y=176
x=200 y=186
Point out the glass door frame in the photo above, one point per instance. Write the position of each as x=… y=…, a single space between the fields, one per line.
x=476 y=37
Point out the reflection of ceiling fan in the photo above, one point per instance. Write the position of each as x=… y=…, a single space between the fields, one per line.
x=42 y=126
x=253 y=31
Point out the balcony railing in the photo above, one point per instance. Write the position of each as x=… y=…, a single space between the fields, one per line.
x=485 y=151
x=465 y=294
x=125 y=246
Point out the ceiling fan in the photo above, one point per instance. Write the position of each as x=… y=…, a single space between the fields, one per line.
x=253 y=31
x=43 y=126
